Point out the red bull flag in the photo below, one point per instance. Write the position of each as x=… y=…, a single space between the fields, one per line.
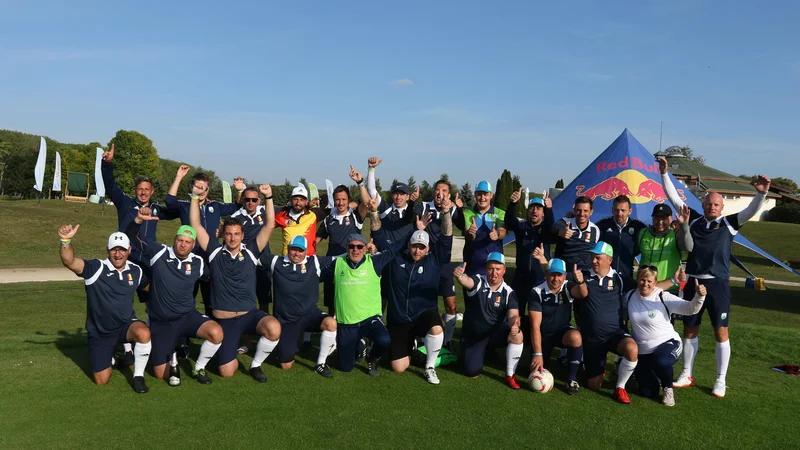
x=626 y=167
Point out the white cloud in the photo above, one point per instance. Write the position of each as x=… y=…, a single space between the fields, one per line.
x=402 y=82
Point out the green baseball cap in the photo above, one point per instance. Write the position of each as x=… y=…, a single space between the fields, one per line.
x=602 y=248
x=188 y=231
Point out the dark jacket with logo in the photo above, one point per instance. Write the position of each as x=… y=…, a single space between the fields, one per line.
x=623 y=241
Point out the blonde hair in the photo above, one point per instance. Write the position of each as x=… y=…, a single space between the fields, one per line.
x=646 y=272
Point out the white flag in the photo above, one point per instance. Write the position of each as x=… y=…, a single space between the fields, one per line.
x=98 y=175
x=527 y=197
x=57 y=174
x=329 y=187
x=38 y=172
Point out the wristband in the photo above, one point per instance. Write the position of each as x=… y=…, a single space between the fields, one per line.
x=537 y=354
x=373 y=213
x=582 y=282
x=196 y=197
x=268 y=198
x=460 y=276
x=674 y=283
x=360 y=183
x=65 y=242
x=372 y=169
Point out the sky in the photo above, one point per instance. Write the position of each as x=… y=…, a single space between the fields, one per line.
x=282 y=90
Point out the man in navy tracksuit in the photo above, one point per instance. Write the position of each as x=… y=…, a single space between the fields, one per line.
x=413 y=282
x=621 y=232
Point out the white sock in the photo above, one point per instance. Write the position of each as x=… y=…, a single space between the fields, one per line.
x=141 y=356
x=306 y=337
x=207 y=351
x=513 y=353
x=690 y=349
x=433 y=344
x=263 y=349
x=128 y=347
x=174 y=362
x=625 y=371
x=327 y=341
x=723 y=353
x=449 y=327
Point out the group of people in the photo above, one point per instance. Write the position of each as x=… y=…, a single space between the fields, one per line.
x=382 y=295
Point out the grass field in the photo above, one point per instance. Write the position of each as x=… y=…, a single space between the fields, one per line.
x=49 y=400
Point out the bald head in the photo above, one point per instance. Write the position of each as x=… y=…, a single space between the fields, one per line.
x=712 y=205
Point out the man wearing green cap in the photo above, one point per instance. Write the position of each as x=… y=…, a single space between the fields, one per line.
x=175 y=271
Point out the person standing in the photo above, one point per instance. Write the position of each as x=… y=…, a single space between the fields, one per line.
x=252 y=216
x=577 y=235
x=620 y=231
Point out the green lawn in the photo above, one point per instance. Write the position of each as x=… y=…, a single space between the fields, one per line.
x=49 y=401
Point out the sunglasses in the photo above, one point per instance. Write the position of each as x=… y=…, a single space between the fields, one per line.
x=251 y=199
x=356 y=246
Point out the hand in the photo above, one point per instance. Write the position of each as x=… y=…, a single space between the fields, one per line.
x=566 y=233
x=424 y=221
x=374 y=162
x=238 y=183
x=473 y=229
x=68 y=231
x=680 y=275
x=266 y=190
x=371 y=248
x=355 y=175
x=315 y=203
x=374 y=202
x=577 y=275
x=762 y=184
x=447 y=205
x=675 y=226
x=414 y=195
x=459 y=270
x=538 y=254
x=515 y=327
x=108 y=155
x=548 y=202
x=146 y=214
x=458 y=202
x=699 y=288
x=663 y=165
x=569 y=214
x=183 y=171
x=515 y=196
x=494 y=235
x=683 y=215
x=537 y=364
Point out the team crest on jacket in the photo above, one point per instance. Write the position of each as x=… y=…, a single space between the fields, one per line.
x=241 y=256
x=211 y=209
x=419 y=271
x=188 y=269
x=130 y=280
x=497 y=299
x=155 y=212
x=651 y=314
x=302 y=268
x=611 y=285
x=630 y=231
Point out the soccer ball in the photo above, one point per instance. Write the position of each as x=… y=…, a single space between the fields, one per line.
x=541 y=382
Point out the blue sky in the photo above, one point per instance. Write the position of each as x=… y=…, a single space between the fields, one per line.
x=275 y=90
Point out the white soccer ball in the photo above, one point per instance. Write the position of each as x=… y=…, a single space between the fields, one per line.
x=541 y=382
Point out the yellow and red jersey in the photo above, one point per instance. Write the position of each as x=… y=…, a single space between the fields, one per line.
x=304 y=225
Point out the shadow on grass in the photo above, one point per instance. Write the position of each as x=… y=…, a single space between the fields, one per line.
x=775 y=299
x=73 y=345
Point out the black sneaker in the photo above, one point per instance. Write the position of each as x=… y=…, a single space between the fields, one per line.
x=174 y=376
x=572 y=388
x=362 y=355
x=323 y=370
x=138 y=385
x=374 y=365
x=182 y=351
x=127 y=359
x=258 y=374
x=201 y=376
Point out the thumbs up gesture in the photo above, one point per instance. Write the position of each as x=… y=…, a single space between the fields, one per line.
x=494 y=235
x=699 y=288
x=108 y=155
x=566 y=233
x=458 y=272
x=515 y=196
x=548 y=202
x=577 y=275
x=473 y=229
x=538 y=254
x=371 y=248
x=458 y=202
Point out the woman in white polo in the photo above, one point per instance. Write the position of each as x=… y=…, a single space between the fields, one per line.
x=649 y=310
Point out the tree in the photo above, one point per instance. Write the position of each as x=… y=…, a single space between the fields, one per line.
x=283 y=193
x=425 y=191
x=787 y=213
x=412 y=183
x=467 y=195
x=560 y=183
x=677 y=150
x=503 y=189
x=134 y=155
x=5 y=152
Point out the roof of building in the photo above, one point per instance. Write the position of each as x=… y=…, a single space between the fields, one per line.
x=708 y=178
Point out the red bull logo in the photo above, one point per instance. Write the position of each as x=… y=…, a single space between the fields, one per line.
x=631 y=183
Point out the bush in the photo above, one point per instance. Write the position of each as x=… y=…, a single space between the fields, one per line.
x=787 y=213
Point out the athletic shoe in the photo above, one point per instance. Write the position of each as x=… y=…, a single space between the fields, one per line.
x=430 y=376
x=374 y=366
x=459 y=317
x=621 y=396
x=362 y=355
x=127 y=359
x=201 y=376
x=174 y=376
x=138 y=385
x=684 y=380
x=719 y=388
x=258 y=374
x=182 y=351
x=669 y=397
x=323 y=370
x=511 y=381
x=572 y=388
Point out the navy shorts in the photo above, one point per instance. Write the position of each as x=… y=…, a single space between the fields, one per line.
x=403 y=334
x=328 y=293
x=348 y=338
x=594 y=353
x=165 y=334
x=232 y=330
x=101 y=346
x=263 y=286
x=718 y=302
x=291 y=331
x=447 y=286
x=473 y=351
x=554 y=340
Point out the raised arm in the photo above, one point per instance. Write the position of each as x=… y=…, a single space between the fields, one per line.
x=194 y=221
x=680 y=306
x=262 y=238
x=107 y=170
x=579 y=291
x=669 y=188
x=462 y=278
x=66 y=233
x=374 y=217
x=143 y=214
x=372 y=189
x=176 y=183
x=684 y=235
x=762 y=186
x=513 y=223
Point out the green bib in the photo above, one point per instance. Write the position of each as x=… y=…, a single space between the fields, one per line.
x=357 y=293
x=661 y=252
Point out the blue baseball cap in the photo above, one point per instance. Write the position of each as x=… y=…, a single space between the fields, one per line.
x=496 y=257
x=556 y=265
x=602 y=248
x=536 y=201
x=300 y=242
x=483 y=186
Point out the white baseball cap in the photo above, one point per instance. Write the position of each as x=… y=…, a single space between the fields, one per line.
x=119 y=239
x=420 y=237
x=300 y=191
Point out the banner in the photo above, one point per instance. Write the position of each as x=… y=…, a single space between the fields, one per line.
x=57 y=174
x=226 y=192
x=313 y=192
x=98 y=175
x=38 y=171
x=329 y=187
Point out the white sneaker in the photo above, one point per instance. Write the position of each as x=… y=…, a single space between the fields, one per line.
x=684 y=380
x=459 y=317
x=719 y=388
x=430 y=376
x=669 y=397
